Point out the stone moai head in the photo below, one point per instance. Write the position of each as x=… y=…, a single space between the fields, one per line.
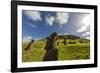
x=50 y=44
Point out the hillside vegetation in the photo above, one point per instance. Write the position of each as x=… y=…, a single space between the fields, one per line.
x=69 y=47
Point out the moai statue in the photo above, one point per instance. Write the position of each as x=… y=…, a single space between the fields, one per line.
x=50 y=47
x=57 y=43
x=65 y=41
x=30 y=43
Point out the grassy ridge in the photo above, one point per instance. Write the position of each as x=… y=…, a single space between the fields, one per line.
x=75 y=51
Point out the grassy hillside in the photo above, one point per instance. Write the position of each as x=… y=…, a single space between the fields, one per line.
x=75 y=49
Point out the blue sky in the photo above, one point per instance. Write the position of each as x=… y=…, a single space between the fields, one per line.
x=40 y=24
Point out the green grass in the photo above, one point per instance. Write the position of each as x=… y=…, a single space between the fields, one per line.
x=36 y=52
x=76 y=51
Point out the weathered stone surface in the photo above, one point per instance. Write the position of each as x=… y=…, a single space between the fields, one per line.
x=51 y=55
x=50 y=47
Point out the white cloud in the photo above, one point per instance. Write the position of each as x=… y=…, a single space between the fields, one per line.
x=62 y=18
x=88 y=37
x=85 y=24
x=62 y=33
x=49 y=20
x=84 y=27
x=86 y=34
x=65 y=33
x=27 y=39
x=34 y=15
x=32 y=25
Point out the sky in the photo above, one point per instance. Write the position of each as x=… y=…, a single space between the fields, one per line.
x=40 y=24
